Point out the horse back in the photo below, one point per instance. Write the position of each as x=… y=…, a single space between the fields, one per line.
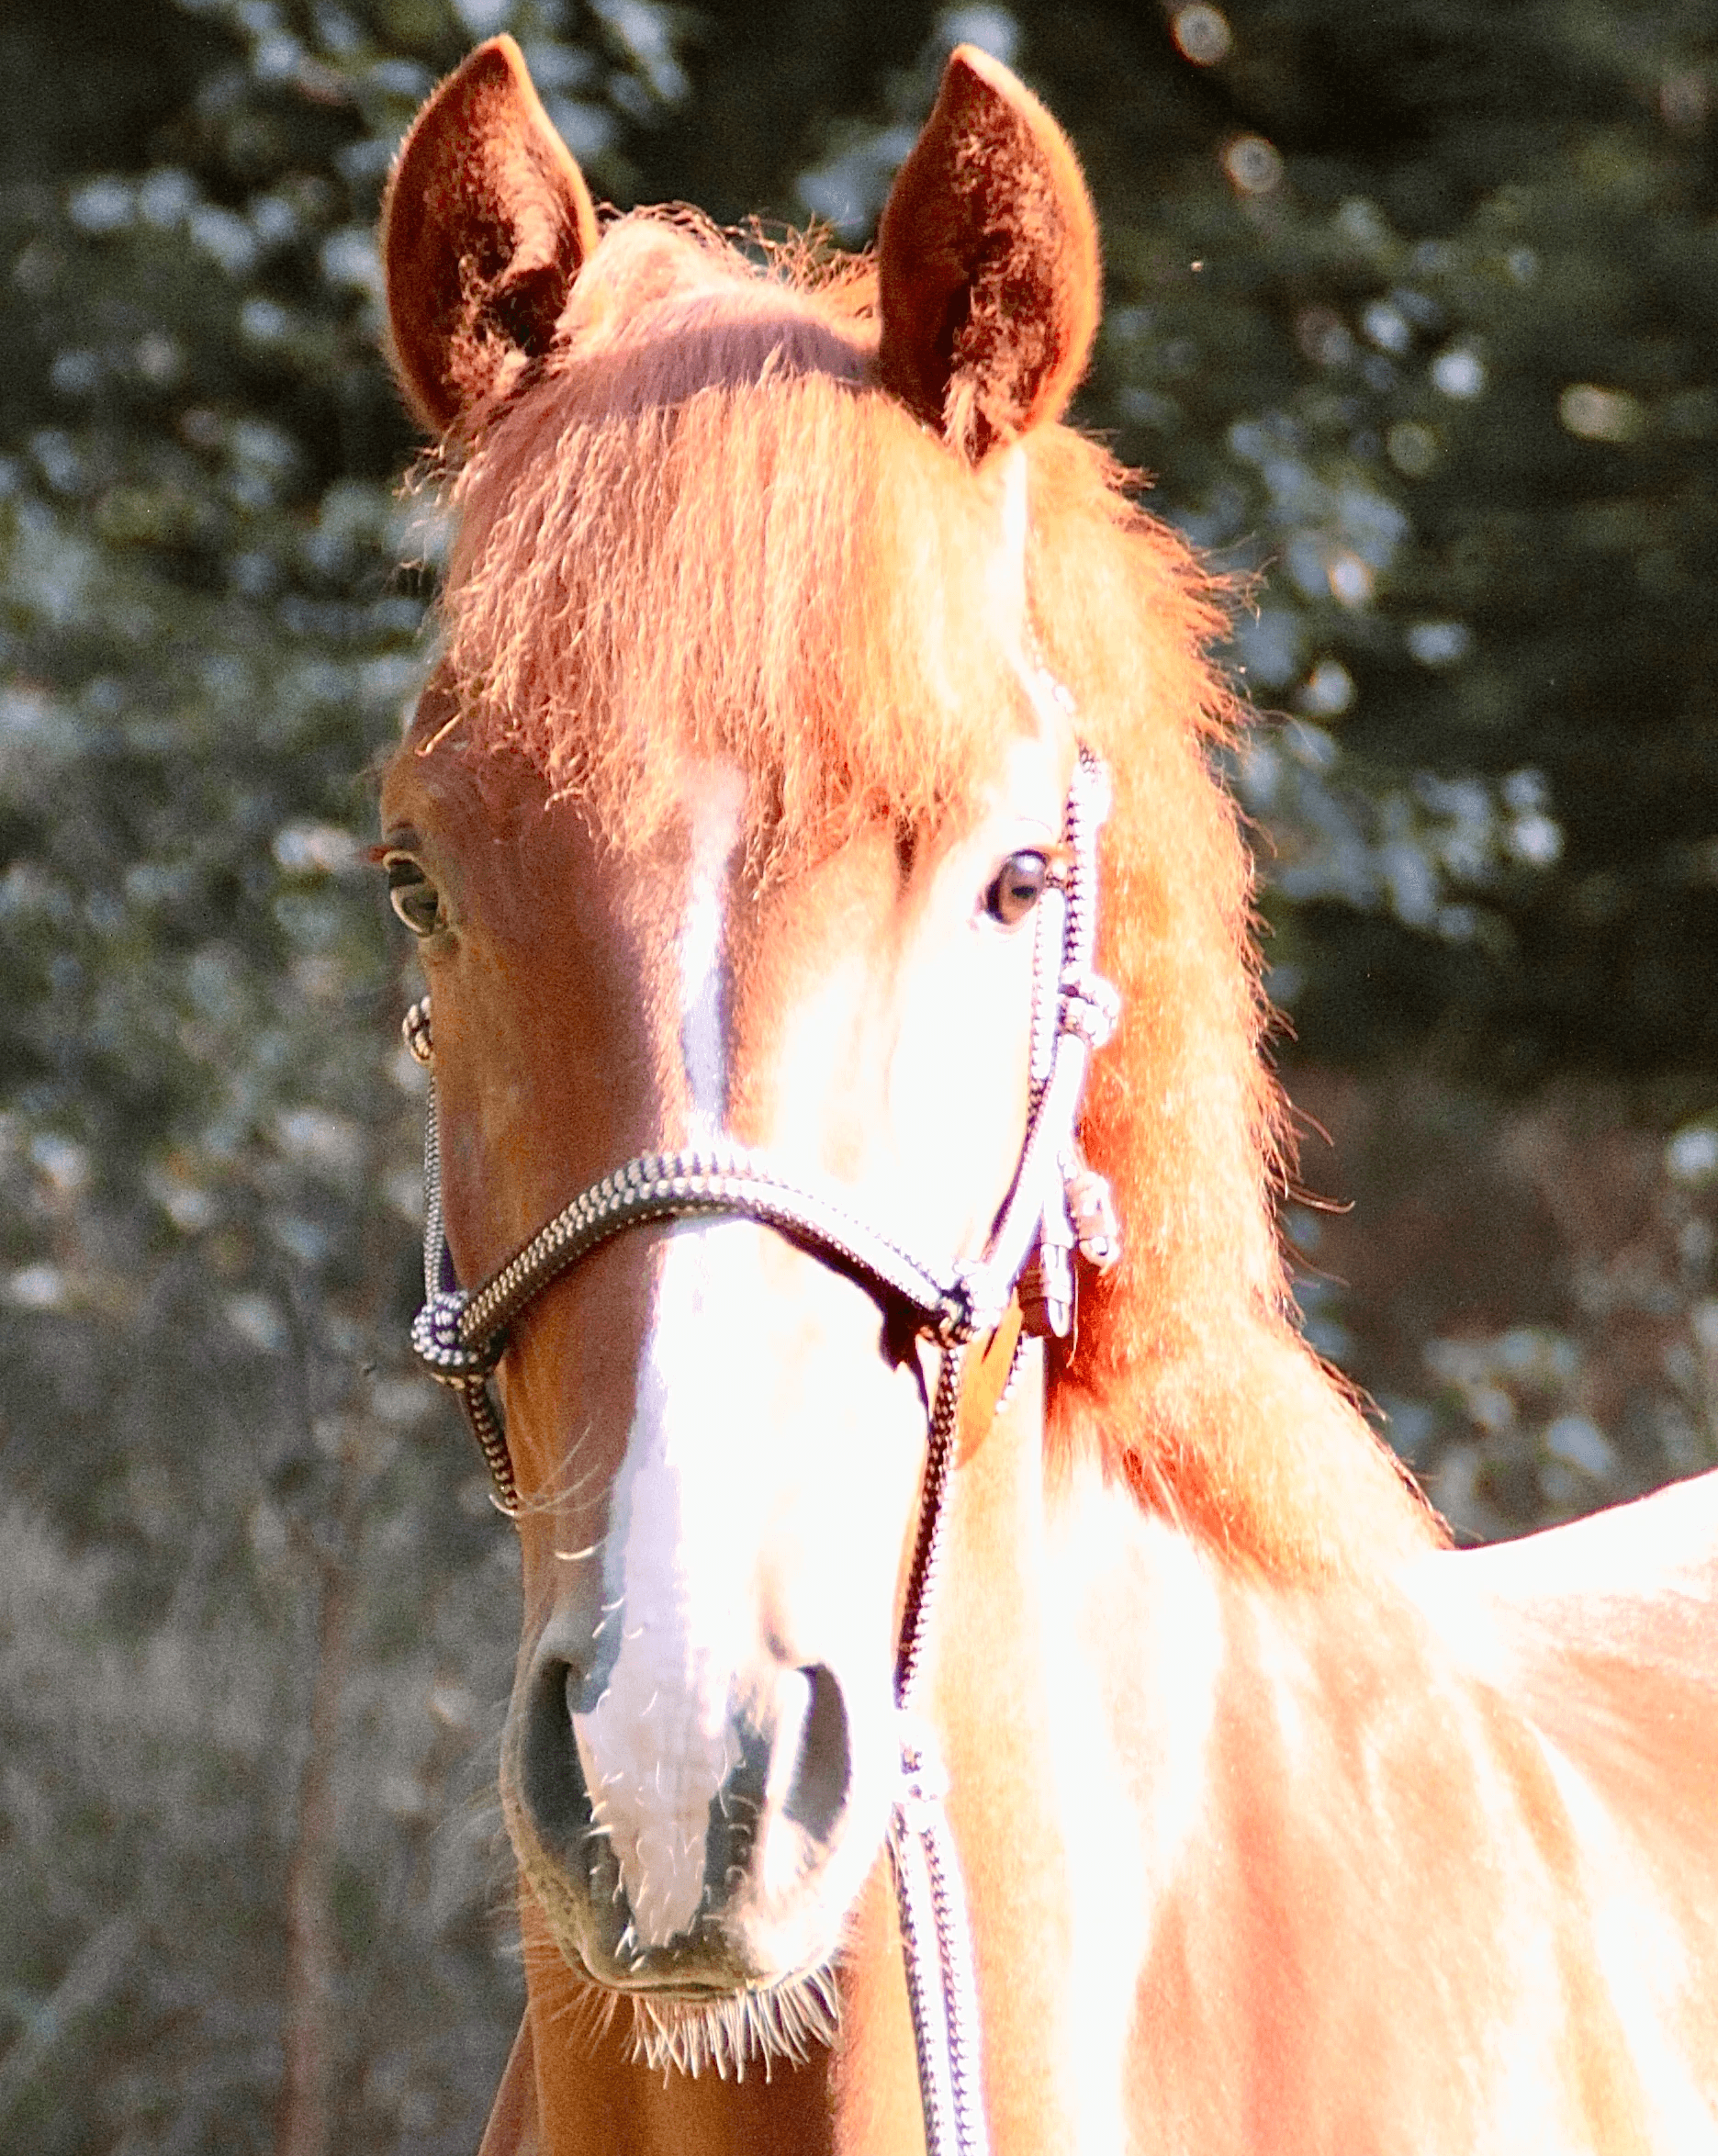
x=1604 y=1632
x=1603 y=1635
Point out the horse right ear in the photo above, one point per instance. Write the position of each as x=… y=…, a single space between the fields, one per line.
x=485 y=225
x=987 y=262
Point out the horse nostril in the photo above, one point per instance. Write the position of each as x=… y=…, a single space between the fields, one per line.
x=817 y=1794
x=550 y=1780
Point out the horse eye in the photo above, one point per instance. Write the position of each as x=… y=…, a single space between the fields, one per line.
x=1018 y=887
x=413 y=895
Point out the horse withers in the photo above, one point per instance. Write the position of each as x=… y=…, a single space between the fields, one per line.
x=783 y=619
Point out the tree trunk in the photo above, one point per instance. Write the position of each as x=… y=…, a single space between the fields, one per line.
x=305 y=2117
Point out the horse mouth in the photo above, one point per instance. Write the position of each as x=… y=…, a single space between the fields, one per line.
x=694 y=2005
x=707 y=1967
x=693 y=1971
x=672 y=1990
x=691 y=2028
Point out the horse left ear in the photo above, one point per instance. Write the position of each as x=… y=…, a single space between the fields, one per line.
x=987 y=262
x=485 y=223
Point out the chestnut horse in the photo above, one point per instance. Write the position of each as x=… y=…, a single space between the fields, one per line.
x=727 y=815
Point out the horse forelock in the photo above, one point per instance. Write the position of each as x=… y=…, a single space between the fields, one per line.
x=702 y=533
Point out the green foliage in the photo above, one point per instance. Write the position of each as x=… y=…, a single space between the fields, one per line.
x=1447 y=368
x=222 y=1501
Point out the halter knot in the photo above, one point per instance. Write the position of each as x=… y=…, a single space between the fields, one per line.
x=972 y=1307
x=435 y=1335
x=415 y=1030
x=924 y=1777
x=1090 y=1006
x=954 y=1324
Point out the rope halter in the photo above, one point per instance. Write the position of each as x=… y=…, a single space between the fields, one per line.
x=1056 y=1205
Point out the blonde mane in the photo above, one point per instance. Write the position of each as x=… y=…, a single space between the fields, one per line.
x=699 y=527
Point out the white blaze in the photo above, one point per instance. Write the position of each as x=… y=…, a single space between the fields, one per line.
x=658 y=1745
x=715 y=795
x=1014 y=613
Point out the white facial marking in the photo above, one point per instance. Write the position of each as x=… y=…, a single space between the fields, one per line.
x=1044 y=692
x=659 y=1744
x=715 y=796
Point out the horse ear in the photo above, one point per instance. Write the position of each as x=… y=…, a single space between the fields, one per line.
x=987 y=262
x=485 y=222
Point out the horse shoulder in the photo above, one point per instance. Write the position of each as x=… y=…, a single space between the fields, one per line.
x=1604 y=1631
x=1603 y=1635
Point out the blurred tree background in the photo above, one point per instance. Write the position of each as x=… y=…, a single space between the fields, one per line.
x=1412 y=321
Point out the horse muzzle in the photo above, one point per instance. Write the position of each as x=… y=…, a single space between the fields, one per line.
x=698 y=1840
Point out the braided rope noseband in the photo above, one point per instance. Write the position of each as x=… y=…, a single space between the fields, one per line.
x=1055 y=1205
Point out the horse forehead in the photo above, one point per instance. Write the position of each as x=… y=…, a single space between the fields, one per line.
x=479 y=805
x=683 y=904
x=836 y=919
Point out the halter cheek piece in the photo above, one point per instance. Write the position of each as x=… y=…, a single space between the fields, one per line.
x=1055 y=1205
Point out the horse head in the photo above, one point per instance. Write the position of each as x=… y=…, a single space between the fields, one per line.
x=726 y=819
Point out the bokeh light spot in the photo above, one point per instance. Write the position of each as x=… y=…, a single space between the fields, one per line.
x=1254 y=164
x=1202 y=35
x=1600 y=415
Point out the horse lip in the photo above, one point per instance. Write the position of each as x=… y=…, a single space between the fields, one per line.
x=666 y=1977
x=696 y=1993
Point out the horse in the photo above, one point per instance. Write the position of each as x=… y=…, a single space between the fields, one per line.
x=784 y=620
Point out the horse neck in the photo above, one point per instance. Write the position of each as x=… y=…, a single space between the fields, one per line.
x=1099 y=1676
x=1054 y=1588
x=1250 y=1860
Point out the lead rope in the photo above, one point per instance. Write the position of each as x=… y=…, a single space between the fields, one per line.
x=929 y=1898
x=1055 y=1205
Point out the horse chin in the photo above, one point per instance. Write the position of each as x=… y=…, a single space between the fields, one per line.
x=693 y=2006
x=722 y=2032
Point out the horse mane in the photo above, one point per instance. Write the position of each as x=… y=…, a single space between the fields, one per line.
x=698 y=529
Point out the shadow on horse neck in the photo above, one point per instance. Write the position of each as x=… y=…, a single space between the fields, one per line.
x=781 y=605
